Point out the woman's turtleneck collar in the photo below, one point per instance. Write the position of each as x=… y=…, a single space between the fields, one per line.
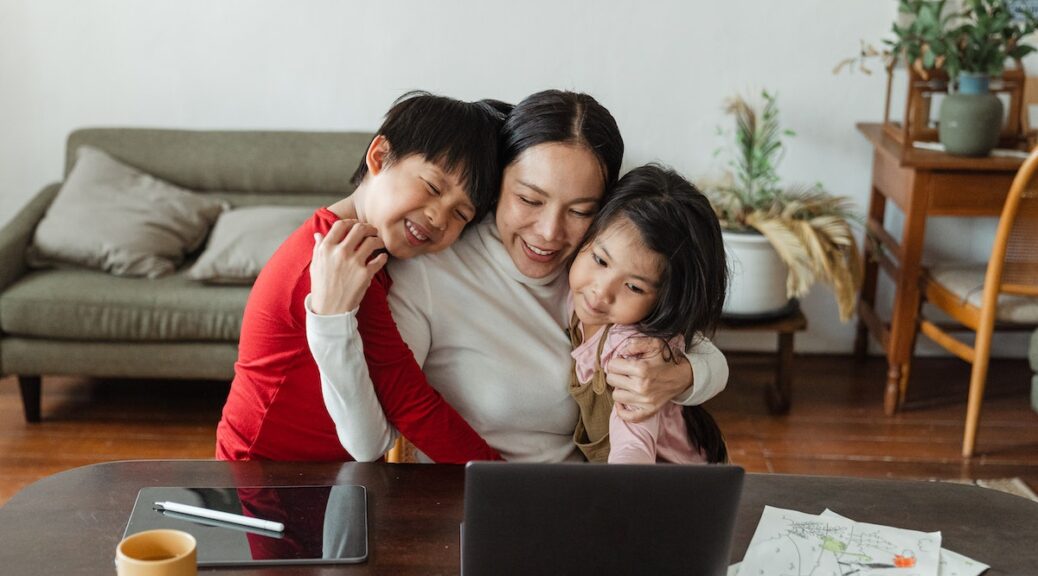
x=491 y=239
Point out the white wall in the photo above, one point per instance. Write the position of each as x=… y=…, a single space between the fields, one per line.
x=663 y=68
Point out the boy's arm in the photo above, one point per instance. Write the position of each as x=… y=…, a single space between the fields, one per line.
x=346 y=386
x=410 y=403
x=633 y=443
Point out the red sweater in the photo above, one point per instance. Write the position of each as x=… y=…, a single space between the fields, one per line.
x=275 y=410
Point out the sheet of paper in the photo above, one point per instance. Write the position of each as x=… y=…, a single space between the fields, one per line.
x=951 y=563
x=791 y=542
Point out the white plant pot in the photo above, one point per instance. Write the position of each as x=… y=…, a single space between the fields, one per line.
x=758 y=281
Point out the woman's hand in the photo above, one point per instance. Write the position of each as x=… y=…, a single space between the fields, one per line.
x=645 y=375
x=343 y=265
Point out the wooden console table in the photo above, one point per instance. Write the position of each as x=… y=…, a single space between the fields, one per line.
x=922 y=184
x=778 y=394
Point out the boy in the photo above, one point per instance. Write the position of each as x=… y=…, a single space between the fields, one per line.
x=430 y=170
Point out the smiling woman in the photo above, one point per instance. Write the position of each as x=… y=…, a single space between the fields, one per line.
x=485 y=318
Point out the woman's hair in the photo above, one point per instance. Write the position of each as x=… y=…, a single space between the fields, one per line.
x=455 y=135
x=676 y=221
x=556 y=116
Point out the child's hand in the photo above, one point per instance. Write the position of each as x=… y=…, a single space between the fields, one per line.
x=343 y=265
x=645 y=375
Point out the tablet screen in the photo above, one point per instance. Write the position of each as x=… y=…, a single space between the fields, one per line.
x=322 y=524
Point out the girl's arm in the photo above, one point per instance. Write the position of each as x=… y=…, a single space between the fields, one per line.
x=633 y=443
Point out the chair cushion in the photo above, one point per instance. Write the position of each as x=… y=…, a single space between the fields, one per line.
x=967 y=282
x=91 y=305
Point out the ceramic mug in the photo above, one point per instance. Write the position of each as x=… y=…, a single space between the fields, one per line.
x=157 y=553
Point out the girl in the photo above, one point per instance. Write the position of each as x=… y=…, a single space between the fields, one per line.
x=652 y=266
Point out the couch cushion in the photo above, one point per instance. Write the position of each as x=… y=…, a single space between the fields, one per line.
x=243 y=240
x=254 y=161
x=90 y=305
x=113 y=217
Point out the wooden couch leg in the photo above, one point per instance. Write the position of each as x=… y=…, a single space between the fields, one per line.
x=30 y=386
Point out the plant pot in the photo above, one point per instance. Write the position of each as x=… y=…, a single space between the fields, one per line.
x=758 y=282
x=970 y=120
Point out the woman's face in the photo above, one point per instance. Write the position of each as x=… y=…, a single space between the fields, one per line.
x=549 y=194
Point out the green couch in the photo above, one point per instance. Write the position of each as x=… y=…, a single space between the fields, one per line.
x=83 y=322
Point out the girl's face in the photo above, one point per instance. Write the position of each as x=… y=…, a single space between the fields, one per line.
x=615 y=278
x=417 y=207
x=548 y=196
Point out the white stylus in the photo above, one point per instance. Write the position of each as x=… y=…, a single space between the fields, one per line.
x=223 y=516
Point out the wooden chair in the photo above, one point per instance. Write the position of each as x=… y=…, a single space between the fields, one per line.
x=977 y=296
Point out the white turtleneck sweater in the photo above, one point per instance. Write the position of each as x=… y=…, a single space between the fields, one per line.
x=491 y=340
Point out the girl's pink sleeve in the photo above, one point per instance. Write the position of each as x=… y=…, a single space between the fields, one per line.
x=633 y=443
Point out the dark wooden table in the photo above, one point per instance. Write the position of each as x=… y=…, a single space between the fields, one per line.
x=922 y=184
x=70 y=523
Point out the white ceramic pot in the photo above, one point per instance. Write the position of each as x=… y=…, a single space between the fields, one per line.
x=758 y=281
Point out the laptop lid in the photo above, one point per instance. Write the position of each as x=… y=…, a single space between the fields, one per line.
x=577 y=518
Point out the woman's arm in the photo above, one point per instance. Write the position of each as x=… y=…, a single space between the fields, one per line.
x=645 y=380
x=365 y=357
x=346 y=385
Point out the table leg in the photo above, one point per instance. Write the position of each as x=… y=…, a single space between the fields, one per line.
x=877 y=210
x=779 y=395
x=906 y=293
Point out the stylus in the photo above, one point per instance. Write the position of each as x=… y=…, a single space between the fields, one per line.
x=220 y=524
x=223 y=516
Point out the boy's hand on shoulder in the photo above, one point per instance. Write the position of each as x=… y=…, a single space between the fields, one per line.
x=645 y=375
x=343 y=264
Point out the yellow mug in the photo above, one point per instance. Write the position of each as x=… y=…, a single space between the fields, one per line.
x=157 y=553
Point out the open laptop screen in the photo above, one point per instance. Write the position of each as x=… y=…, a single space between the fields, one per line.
x=598 y=518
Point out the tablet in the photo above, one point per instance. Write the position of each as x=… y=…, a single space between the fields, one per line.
x=322 y=524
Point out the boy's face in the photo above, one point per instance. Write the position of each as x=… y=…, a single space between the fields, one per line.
x=417 y=207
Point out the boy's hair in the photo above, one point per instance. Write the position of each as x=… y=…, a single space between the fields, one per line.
x=458 y=136
x=557 y=116
x=675 y=220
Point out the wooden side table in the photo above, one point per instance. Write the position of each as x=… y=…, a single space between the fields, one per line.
x=778 y=394
x=922 y=183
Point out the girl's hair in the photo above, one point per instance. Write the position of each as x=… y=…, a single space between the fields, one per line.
x=705 y=434
x=556 y=116
x=455 y=135
x=676 y=221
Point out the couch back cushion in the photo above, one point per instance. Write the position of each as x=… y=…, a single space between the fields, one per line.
x=252 y=162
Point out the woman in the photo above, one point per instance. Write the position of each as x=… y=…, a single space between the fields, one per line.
x=485 y=318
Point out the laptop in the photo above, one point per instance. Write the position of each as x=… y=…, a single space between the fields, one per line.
x=578 y=518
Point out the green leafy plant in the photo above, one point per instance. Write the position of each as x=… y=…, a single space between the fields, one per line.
x=809 y=229
x=977 y=39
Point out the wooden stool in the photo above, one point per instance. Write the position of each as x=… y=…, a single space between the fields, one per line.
x=778 y=394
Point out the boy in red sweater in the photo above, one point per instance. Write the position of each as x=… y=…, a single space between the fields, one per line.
x=430 y=170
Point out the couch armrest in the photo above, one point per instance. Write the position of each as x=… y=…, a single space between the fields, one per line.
x=17 y=234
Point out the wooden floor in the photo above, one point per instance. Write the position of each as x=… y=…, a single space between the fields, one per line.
x=836 y=425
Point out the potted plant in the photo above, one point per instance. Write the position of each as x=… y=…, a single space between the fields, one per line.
x=971 y=46
x=780 y=239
